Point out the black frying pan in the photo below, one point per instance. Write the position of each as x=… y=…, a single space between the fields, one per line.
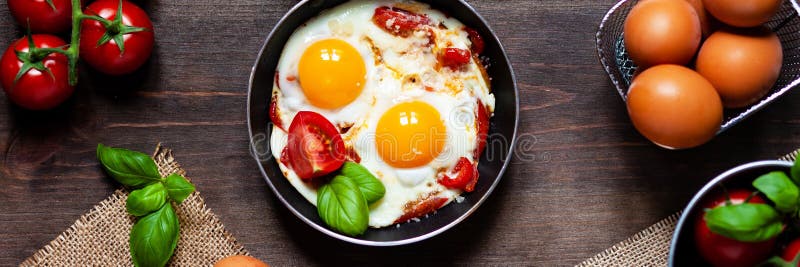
x=502 y=132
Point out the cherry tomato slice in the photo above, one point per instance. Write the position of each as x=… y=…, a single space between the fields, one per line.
x=273 y=113
x=476 y=40
x=352 y=155
x=36 y=90
x=398 y=21
x=455 y=57
x=422 y=208
x=315 y=147
x=466 y=176
x=722 y=251
x=482 y=124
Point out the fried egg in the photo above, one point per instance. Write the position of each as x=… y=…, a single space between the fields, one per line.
x=407 y=117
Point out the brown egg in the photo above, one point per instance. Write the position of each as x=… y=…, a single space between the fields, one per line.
x=240 y=261
x=674 y=107
x=742 y=64
x=707 y=23
x=662 y=32
x=742 y=13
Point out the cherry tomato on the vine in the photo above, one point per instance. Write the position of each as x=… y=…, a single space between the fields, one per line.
x=45 y=83
x=45 y=16
x=722 y=251
x=120 y=46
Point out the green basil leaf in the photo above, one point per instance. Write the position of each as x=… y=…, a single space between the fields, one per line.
x=371 y=187
x=342 y=206
x=795 y=171
x=776 y=261
x=154 y=237
x=780 y=189
x=145 y=200
x=747 y=222
x=130 y=168
x=178 y=187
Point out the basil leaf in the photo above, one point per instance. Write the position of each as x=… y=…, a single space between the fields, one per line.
x=780 y=189
x=178 y=187
x=795 y=171
x=130 y=168
x=745 y=222
x=154 y=237
x=371 y=187
x=776 y=261
x=146 y=200
x=342 y=206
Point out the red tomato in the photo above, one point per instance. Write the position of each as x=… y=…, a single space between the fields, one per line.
x=36 y=89
x=273 y=113
x=455 y=57
x=466 y=176
x=791 y=251
x=41 y=16
x=315 y=147
x=398 y=21
x=107 y=57
x=421 y=208
x=482 y=124
x=476 y=40
x=722 y=251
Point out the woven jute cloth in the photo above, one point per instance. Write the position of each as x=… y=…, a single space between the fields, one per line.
x=650 y=247
x=100 y=237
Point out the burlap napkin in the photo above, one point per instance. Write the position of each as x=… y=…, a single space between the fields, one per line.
x=100 y=237
x=649 y=247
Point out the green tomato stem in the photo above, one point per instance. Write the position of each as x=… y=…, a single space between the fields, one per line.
x=73 y=51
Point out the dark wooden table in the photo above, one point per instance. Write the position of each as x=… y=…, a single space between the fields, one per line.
x=586 y=179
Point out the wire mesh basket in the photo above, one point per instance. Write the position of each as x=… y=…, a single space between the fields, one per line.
x=620 y=68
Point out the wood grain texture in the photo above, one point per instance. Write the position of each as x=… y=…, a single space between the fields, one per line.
x=582 y=179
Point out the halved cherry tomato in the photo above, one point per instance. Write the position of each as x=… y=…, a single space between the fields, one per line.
x=455 y=57
x=352 y=155
x=427 y=206
x=722 y=251
x=476 y=40
x=37 y=88
x=108 y=56
x=54 y=16
x=273 y=113
x=482 y=124
x=315 y=147
x=466 y=176
x=398 y=21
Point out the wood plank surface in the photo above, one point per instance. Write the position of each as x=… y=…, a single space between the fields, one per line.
x=582 y=179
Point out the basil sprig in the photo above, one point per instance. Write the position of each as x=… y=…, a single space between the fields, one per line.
x=747 y=222
x=343 y=203
x=130 y=168
x=154 y=237
x=146 y=200
x=155 y=234
x=371 y=187
x=178 y=187
x=754 y=222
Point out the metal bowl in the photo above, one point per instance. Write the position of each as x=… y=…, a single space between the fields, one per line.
x=620 y=68
x=682 y=250
x=502 y=132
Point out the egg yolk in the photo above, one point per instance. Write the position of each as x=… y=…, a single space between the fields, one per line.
x=410 y=134
x=331 y=73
